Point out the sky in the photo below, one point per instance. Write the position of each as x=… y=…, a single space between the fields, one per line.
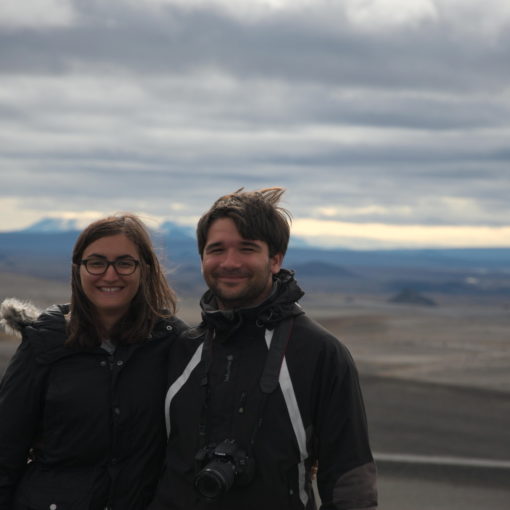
x=387 y=121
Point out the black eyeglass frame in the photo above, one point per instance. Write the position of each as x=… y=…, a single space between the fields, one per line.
x=84 y=263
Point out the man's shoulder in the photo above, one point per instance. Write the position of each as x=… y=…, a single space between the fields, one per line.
x=312 y=330
x=311 y=338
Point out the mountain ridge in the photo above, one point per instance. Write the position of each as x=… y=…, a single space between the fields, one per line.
x=43 y=252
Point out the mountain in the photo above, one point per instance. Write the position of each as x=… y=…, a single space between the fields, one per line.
x=452 y=258
x=175 y=231
x=44 y=250
x=53 y=225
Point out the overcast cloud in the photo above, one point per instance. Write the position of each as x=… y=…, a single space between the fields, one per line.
x=377 y=115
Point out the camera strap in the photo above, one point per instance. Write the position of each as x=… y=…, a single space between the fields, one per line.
x=268 y=382
x=271 y=374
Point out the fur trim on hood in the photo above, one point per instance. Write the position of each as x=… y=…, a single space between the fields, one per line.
x=16 y=314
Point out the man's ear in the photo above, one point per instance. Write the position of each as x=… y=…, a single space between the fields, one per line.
x=276 y=262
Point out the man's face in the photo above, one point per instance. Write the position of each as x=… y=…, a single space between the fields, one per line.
x=239 y=271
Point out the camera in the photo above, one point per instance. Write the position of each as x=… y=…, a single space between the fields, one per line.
x=220 y=466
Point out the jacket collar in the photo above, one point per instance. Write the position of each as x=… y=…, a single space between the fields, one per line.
x=281 y=304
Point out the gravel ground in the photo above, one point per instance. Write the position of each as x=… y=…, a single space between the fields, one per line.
x=436 y=383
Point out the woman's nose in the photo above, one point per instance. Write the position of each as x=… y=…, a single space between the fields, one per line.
x=111 y=273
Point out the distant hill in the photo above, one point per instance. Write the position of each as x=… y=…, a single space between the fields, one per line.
x=480 y=258
x=412 y=297
x=44 y=250
x=322 y=270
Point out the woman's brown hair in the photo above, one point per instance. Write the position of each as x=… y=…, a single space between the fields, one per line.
x=154 y=300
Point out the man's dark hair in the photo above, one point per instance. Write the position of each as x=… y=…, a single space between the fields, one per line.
x=256 y=215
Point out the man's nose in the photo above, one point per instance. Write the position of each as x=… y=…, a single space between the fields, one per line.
x=231 y=259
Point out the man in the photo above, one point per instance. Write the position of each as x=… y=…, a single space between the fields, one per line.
x=259 y=392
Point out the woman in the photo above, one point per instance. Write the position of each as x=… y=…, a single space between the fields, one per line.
x=82 y=399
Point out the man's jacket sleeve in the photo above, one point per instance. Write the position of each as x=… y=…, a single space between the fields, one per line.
x=20 y=401
x=347 y=472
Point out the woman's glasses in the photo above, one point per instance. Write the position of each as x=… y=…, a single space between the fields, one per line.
x=98 y=266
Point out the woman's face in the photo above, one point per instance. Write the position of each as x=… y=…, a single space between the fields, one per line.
x=111 y=293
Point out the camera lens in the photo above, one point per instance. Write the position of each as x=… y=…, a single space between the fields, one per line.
x=215 y=479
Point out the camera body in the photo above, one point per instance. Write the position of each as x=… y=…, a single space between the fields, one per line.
x=220 y=466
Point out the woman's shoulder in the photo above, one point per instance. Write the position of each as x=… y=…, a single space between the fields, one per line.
x=178 y=324
x=170 y=325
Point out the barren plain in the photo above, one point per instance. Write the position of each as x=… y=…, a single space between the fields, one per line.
x=436 y=382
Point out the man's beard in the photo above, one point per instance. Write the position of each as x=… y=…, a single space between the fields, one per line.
x=252 y=293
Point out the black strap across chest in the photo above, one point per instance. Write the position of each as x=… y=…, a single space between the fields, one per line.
x=268 y=381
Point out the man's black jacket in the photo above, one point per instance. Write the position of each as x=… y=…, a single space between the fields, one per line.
x=316 y=412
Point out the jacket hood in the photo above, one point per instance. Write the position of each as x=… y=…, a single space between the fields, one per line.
x=281 y=304
x=16 y=315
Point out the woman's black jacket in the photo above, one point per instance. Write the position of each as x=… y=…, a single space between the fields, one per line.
x=91 y=424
